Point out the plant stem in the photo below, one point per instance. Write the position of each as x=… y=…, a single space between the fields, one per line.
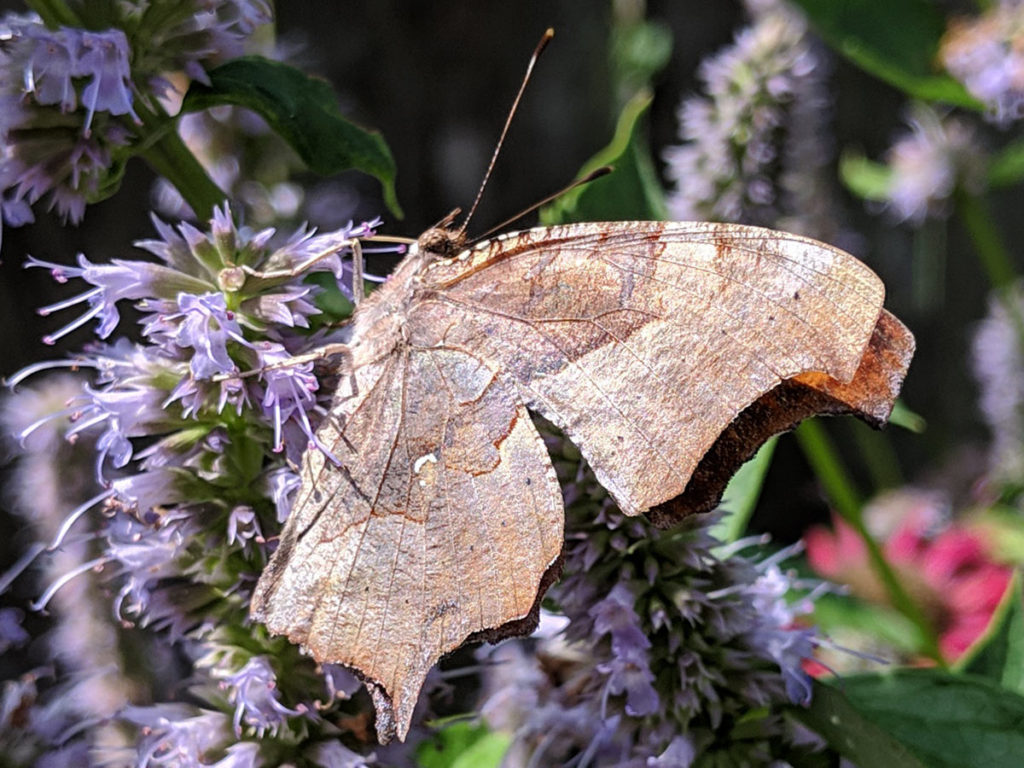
x=881 y=460
x=169 y=157
x=993 y=254
x=167 y=154
x=995 y=258
x=839 y=488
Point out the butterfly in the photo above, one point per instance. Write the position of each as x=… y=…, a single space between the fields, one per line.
x=667 y=352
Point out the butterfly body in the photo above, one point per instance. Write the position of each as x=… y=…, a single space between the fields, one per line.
x=666 y=351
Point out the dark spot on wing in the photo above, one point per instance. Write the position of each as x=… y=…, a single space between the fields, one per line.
x=440 y=610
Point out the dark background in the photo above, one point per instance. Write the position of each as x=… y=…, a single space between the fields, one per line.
x=437 y=80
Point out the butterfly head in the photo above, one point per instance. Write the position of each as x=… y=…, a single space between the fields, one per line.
x=441 y=243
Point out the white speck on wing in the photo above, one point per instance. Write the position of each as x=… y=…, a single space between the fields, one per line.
x=418 y=464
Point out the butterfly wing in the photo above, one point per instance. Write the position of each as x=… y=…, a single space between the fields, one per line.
x=663 y=350
x=644 y=341
x=443 y=520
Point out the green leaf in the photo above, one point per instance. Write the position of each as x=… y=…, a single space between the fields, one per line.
x=110 y=181
x=999 y=654
x=945 y=720
x=849 y=733
x=865 y=178
x=639 y=50
x=243 y=459
x=630 y=192
x=303 y=110
x=894 y=40
x=334 y=305
x=1003 y=529
x=1007 y=167
x=742 y=493
x=463 y=745
x=840 y=615
x=902 y=416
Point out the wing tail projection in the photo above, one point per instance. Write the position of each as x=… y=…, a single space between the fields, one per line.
x=869 y=396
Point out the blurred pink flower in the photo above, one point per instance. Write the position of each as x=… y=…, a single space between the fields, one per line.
x=951 y=573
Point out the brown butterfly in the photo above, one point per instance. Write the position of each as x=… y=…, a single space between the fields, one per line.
x=667 y=352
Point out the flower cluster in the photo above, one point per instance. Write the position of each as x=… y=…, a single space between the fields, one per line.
x=32 y=731
x=667 y=646
x=195 y=431
x=753 y=150
x=998 y=363
x=929 y=163
x=987 y=55
x=71 y=96
x=53 y=476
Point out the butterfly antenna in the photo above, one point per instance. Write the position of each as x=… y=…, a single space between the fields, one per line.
x=544 y=40
x=597 y=173
x=448 y=219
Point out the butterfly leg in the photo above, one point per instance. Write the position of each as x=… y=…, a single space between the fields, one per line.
x=357 y=272
x=321 y=353
x=306 y=264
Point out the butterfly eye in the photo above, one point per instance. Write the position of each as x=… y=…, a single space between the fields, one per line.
x=441 y=243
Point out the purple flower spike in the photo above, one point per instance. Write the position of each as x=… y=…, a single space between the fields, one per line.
x=289 y=395
x=104 y=59
x=113 y=282
x=253 y=691
x=192 y=434
x=985 y=54
x=176 y=734
x=629 y=670
x=51 y=65
x=205 y=325
x=52 y=85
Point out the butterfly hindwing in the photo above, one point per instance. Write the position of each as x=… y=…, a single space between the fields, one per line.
x=440 y=523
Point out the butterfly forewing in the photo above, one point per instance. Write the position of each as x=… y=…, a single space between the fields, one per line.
x=644 y=340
